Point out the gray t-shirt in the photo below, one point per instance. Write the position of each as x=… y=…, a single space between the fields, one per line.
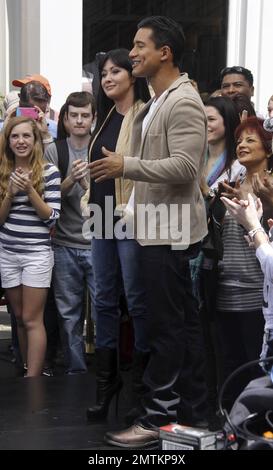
x=69 y=226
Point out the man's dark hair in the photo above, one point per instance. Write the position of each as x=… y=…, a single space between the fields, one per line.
x=33 y=91
x=237 y=69
x=80 y=99
x=166 y=32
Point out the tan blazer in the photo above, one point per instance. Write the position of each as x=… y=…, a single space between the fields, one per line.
x=167 y=164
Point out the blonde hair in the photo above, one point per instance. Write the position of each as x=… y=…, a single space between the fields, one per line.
x=7 y=158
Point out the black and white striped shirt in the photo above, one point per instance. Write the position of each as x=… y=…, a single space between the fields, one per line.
x=23 y=230
x=240 y=278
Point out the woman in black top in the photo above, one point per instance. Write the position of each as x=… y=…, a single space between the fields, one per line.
x=115 y=254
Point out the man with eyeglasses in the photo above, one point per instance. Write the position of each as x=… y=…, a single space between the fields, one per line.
x=236 y=80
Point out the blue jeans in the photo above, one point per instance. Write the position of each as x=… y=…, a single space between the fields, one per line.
x=114 y=262
x=71 y=268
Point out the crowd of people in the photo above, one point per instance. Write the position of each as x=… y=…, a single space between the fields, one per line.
x=147 y=193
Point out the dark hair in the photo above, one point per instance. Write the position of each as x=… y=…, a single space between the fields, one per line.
x=226 y=108
x=243 y=103
x=61 y=130
x=80 y=99
x=35 y=91
x=120 y=57
x=166 y=32
x=237 y=69
x=255 y=124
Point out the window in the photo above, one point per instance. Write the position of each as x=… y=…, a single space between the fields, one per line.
x=109 y=24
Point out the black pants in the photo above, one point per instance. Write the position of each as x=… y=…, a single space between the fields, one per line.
x=169 y=293
x=208 y=295
x=192 y=386
x=241 y=337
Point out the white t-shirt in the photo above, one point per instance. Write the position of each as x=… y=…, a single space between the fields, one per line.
x=130 y=206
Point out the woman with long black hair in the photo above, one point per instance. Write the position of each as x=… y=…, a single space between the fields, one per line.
x=116 y=258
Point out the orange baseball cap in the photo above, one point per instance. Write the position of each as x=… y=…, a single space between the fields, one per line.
x=31 y=78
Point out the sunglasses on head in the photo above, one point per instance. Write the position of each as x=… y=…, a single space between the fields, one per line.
x=237 y=69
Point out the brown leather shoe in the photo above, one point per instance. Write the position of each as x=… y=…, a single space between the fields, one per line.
x=134 y=437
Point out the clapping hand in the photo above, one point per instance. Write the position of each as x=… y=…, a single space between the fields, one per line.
x=20 y=181
x=245 y=212
x=79 y=170
x=263 y=188
x=229 y=191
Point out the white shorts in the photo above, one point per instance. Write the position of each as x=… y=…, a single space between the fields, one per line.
x=32 y=269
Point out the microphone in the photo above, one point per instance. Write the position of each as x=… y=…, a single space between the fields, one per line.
x=268 y=124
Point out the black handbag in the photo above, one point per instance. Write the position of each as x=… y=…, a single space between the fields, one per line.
x=212 y=245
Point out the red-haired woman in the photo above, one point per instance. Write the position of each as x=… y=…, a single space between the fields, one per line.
x=239 y=300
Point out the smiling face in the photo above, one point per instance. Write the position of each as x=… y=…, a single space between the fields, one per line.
x=21 y=140
x=234 y=83
x=116 y=81
x=250 y=149
x=145 y=57
x=216 y=127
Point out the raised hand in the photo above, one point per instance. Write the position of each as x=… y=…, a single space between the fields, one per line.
x=246 y=212
x=20 y=181
x=41 y=121
x=243 y=115
x=263 y=188
x=79 y=170
x=13 y=187
x=231 y=192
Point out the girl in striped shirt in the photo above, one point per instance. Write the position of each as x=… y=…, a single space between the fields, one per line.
x=29 y=207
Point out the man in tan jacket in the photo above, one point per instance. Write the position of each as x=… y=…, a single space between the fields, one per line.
x=167 y=151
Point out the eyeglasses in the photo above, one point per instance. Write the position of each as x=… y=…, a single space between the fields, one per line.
x=237 y=69
x=232 y=69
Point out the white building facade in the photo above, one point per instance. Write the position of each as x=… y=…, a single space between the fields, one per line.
x=249 y=44
x=45 y=36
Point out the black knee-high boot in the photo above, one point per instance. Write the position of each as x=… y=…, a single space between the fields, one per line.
x=109 y=383
x=140 y=361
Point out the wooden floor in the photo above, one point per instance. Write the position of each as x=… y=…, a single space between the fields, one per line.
x=49 y=412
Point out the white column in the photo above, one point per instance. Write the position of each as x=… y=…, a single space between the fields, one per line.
x=264 y=56
x=22 y=39
x=4 y=86
x=250 y=44
x=44 y=36
x=254 y=22
x=30 y=37
x=236 y=32
x=61 y=47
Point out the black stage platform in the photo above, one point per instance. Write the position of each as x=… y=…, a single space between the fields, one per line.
x=49 y=412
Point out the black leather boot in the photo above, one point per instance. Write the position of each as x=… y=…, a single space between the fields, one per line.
x=140 y=361
x=109 y=384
